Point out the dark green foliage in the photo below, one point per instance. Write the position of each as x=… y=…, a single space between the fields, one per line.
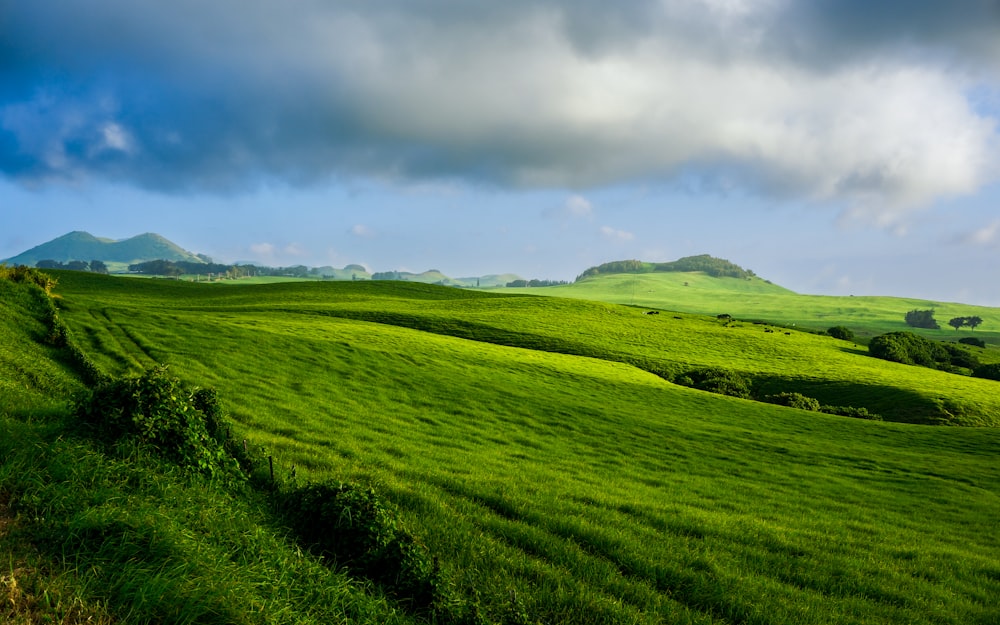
x=906 y=348
x=841 y=332
x=355 y=529
x=959 y=322
x=971 y=340
x=922 y=319
x=717 y=380
x=989 y=372
x=157 y=410
x=794 y=400
x=851 y=411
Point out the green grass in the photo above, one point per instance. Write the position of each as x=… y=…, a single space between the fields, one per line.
x=759 y=299
x=592 y=491
x=526 y=443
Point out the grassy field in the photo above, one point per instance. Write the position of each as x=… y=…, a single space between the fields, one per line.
x=698 y=293
x=528 y=444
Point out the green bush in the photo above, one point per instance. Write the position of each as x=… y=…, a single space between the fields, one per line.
x=793 y=400
x=157 y=410
x=352 y=527
x=717 y=380
x=971 y=340
x=851 y=411
x=911 y=349
x=841 y=332
x=989 y=372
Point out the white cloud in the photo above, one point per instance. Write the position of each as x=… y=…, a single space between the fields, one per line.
x=578 y=206
x=361 y=230
x=613 y=234
x=264 y=250
x=986 y=235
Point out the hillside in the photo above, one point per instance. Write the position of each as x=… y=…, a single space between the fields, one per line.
x=758 y=299
x=525 y=442
x=83 y=246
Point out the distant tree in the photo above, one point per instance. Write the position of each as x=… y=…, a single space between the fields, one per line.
x=973 y=322
x=78 y=265
x=971 y=340
x=49 y=264
x=958 y=322
x=517 y=283
x=841 y=332
x=922 y=319
x=98 y=266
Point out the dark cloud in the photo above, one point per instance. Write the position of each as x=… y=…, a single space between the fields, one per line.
x=812 y=98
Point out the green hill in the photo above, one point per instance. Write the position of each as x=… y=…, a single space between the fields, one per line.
x=533 y=445
x=85 y=247
x=757 y=299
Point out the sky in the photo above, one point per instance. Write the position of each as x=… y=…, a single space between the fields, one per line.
x=831 y=146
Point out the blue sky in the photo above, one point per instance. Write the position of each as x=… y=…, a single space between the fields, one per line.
x=830 y=146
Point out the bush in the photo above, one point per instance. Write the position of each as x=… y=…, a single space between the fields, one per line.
x=909 y=349
x=716 y=380
x=971 y=340
x=353 y=527
x=793 y=400
x=851 y=411
x=989 y=372
x=157 y=410
x=842 y=333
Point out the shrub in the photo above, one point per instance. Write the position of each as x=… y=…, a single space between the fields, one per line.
x=793 y=400
x=989 y=372
x=851 y=411
x=717 y=380
x=841 y=332
x=356 y=530
x=909 y=349
x=157 y=410
x=971 y=340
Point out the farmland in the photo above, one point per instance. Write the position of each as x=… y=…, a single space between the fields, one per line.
x=535 y=445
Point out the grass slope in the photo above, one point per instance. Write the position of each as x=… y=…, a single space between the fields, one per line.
x=557 y=482
x=759 y=299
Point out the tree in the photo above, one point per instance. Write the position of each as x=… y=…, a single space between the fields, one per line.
x=973 y=322
x=958 y=322
x=98 y=266
x=922 y=319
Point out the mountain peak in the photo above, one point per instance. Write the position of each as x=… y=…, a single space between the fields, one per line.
x=80 y=245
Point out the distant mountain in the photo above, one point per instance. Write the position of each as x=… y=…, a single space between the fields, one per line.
x=86 y=247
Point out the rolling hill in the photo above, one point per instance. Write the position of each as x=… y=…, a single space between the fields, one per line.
x=535 y=446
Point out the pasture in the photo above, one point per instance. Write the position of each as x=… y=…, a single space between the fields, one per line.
x=537 y=449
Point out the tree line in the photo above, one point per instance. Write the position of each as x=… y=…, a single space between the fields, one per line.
x=96 y=266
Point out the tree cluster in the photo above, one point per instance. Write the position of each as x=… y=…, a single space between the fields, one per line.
x=922 y=319
x=911 y=349
x=97 y=266
x=961 y=322
x=181 y=267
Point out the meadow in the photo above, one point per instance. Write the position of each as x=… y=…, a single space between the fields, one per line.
x=537 y=448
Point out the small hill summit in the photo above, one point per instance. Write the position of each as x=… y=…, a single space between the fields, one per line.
x=83 y=246
x=715 y=267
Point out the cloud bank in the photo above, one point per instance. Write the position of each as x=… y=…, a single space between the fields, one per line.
x=873 y=105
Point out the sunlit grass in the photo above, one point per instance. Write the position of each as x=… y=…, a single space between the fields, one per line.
x=552 y=477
